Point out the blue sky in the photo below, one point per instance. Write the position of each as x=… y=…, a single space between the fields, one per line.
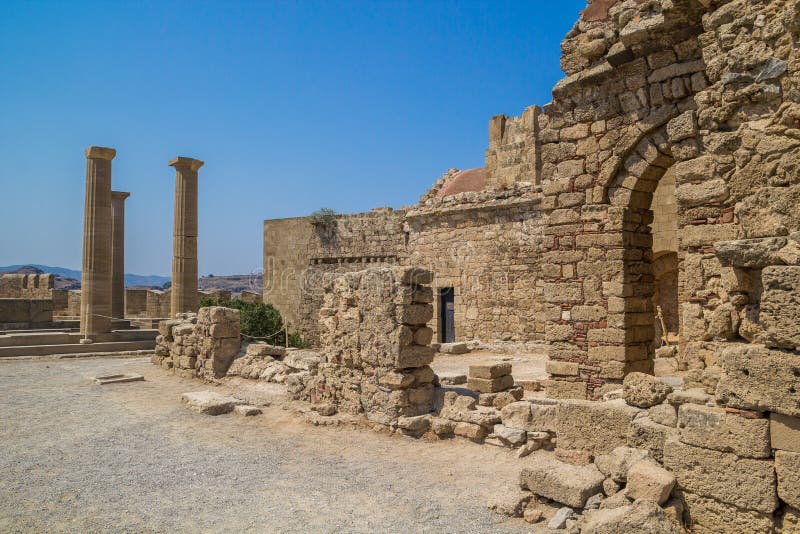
x=292 y=105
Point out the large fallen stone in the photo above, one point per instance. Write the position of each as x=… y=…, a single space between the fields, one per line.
x=714 y=428
x=787 y=467
x=453 y=348
x=710 y=516
x=618 y=462
x=641 y=517
x=490 y=385
x=596 y=427
x=510 y=501
x=650 y=482
x=758 y=378
x=210 y=402
x=644 y=391
x=303 y=360
x=531 y=416
x=743 y=482
x=564 y=483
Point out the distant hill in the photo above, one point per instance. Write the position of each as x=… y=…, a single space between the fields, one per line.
x=235 y=283
x=130 y=279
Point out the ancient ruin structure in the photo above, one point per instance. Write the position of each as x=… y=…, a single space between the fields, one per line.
x=661 y=176
x=97 y=246
x=118 y=253
x=184 y=246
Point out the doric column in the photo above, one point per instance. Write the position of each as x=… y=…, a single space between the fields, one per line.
x=184 y=237
x=96 y=275
x=118 y=254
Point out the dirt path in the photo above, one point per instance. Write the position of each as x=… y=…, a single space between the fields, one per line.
x=128 y=457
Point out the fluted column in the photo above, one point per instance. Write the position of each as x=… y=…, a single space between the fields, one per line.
x=118 y=253
x=96 y=274
x=184 y=236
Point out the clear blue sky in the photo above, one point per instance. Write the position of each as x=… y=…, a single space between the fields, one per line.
x=292 y=105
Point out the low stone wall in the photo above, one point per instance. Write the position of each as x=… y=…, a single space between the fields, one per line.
x=136 y=303
x=21 y=313
x=373 y=330
x=199 y=345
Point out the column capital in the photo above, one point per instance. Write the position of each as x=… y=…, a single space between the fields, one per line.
x=100 y=152
x=182 y=162
x=119 y=195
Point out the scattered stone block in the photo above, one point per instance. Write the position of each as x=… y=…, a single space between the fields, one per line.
x=532 y=515
x=471 y=431
x=787 y=468
x=490 y=370
x=246 y=410
x=784 y=432
x=453 y=348
x=573 y=457
x=644 y=391
x=615 y=501
x=559 y=520
x=530 y=416
x=210 y=402
x=117 y=379
x=618 y=462
x=511 y=437
x=417 y=424
x=564 y=483
x=452 y=379
x=577 y=425
x=264 y=349
x=743 y=482
x=714 y=428
x=510 y=501
x=641 y=517
x=493 y=385
x=611 y=487
x=650 y=482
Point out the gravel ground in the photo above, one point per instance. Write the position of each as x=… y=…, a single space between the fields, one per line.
x=80 y=457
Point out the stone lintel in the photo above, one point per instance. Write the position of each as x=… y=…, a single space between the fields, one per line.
x=184 y=162
x=100 y=152
x=122 y=195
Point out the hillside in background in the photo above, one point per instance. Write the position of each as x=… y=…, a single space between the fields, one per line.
x=71 y=279
x=130 y=279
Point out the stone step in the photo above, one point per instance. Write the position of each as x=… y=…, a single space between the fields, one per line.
x=76 y=348
x=33 y=338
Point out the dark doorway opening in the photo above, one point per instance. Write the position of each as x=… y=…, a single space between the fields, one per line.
x=447 y=330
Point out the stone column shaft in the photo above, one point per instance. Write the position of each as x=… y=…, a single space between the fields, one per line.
x=118 y=253
x=96 y=269
x=184 y=244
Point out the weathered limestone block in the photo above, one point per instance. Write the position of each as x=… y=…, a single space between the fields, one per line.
x=644 y=391
x=563 y=389
x=790 y=522
x=769 y=211
x=780 y=307
x=577 y=425
x=485 y=385
x=650 y=482
x=714 y=428
x=531 y=416
x=710 y=516
x=787 y=468
x=618 y=462
x=663 y=414
x=757 y=378
x=784 y=432
x=564 y=483
x=510 y=501
x=743 y=482
x=489 y=370
x=640 y=517
x=646 y=434
x=750 y=253
x=210 y=402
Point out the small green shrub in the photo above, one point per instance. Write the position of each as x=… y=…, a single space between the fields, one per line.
x=323 y=217
x=259 y=320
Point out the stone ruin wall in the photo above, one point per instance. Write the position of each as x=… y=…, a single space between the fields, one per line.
x=376 y=346
x=199 y=345
x=34 y=288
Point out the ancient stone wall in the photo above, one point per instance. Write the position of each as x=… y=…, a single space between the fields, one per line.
x=300 y=255
x=136 y=303
x=24 y=313
x=514 y=153
x=199 y=345
x=373 y=330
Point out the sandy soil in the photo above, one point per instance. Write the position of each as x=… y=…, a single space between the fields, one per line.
x=80 y=457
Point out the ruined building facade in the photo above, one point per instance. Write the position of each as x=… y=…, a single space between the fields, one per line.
x=663 y=174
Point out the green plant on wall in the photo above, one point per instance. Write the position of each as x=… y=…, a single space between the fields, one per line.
x=322 y=217
x=259 y=320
